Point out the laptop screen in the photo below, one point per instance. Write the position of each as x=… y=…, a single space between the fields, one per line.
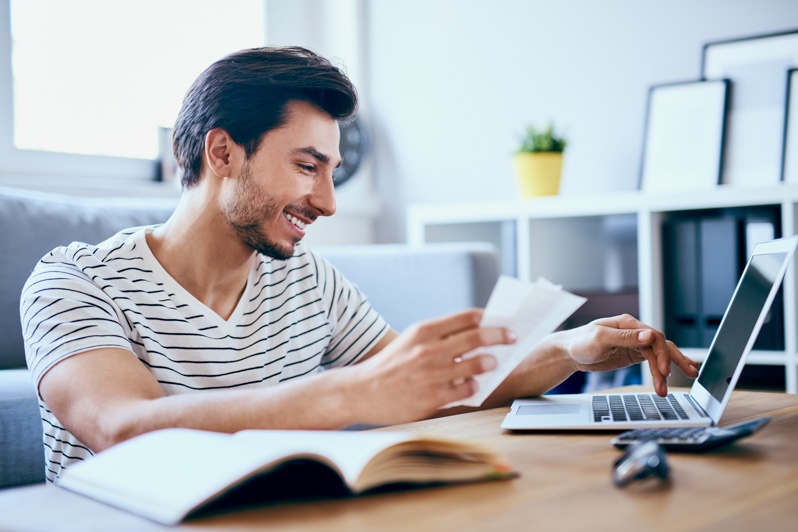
x=752 y=292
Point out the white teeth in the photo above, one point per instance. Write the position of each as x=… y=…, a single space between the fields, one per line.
x=296 y=221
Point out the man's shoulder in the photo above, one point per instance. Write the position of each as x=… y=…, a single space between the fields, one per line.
x=82 y=254
x=124 y=236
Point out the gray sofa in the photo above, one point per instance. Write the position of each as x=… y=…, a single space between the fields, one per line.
x=405 y=284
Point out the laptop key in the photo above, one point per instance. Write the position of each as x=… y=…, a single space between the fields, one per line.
x=650 y=410
x=601 y=410
x=677 y=407
x=633 y=408
x=617 y=409
x=664 y=407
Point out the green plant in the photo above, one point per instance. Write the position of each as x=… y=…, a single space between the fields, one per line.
x=537 y=140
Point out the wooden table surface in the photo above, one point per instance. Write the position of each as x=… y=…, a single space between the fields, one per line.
x=564 y=484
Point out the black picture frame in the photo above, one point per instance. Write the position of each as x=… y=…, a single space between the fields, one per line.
x=684 y=136
x=789 y=150
x=756 y=66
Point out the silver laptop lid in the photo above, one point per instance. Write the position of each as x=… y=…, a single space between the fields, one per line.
x=741 y=323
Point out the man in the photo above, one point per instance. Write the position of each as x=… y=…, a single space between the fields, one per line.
x=220 y=319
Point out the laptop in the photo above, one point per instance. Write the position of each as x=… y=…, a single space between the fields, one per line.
x=711 y=390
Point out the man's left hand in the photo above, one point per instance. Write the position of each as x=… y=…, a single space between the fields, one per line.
x=613 y=343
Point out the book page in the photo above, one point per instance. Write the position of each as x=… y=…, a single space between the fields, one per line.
x=350 y=451
x=532 y=311
x=369 y=459
x=165 y=474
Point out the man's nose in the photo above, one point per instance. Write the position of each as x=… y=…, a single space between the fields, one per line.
x=322 y=197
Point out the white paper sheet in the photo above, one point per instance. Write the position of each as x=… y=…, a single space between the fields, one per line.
x=532 y=311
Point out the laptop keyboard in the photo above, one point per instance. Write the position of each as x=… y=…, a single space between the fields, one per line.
x=636 y=407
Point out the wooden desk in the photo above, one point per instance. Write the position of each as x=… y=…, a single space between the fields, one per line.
x=565 y=484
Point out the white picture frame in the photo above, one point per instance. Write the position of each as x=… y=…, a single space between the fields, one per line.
x=756 y=67
x=684 y=136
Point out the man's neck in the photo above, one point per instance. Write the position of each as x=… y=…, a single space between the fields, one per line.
x=203 y=254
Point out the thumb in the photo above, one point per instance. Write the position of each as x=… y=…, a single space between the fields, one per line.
x=633 y=338
x=644 y=337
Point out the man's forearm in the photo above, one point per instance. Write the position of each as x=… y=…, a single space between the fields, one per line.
x=543 y=369
x=107 y=396
x=321 y=401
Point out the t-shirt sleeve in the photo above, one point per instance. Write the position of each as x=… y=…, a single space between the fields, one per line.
x=356 y=327
x=63 y=313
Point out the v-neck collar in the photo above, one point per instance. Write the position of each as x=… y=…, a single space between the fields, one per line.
x=171 y=285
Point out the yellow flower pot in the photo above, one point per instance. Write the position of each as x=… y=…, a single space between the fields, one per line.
x=538 y=173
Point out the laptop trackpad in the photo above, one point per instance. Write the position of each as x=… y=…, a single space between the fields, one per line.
x=548 y=409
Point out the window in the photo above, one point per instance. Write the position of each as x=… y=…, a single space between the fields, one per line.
x=92 y=81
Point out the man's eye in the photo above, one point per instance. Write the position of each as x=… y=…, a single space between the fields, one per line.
x=307 y=167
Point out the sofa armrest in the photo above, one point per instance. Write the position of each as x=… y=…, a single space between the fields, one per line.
x=21 y=447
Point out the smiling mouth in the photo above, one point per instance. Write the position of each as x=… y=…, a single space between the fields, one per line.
x=296 y=221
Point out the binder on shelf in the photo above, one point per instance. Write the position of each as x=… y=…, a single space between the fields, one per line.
x=680 y=253
x=719 y=268
x=703 y=256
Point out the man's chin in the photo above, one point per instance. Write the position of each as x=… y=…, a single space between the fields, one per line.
x=274 y=251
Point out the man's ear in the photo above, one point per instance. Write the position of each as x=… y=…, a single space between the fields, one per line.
x=221 y=153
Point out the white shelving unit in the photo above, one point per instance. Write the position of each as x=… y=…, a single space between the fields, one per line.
x=607 y=242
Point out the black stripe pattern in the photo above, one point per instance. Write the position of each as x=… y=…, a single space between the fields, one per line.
x=295 y=318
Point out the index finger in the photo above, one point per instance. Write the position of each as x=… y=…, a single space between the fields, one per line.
x=666 y=353
x=459 y=344
x=448 y=325
x=659 y=379
x=688 y=366
x=661 y=351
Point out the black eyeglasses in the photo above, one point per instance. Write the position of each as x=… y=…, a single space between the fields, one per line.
x=642 y=460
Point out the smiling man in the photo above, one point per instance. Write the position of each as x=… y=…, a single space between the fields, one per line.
x=220 y=319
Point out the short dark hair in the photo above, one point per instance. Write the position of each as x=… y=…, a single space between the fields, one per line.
x=246 y=93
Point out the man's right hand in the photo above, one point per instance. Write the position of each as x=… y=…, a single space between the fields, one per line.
x=422 y=369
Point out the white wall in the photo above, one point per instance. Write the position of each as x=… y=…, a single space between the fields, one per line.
x=335 y=29
x=452 y=83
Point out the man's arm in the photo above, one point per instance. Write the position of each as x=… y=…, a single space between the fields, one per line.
x=105 y=396
x=602 y=345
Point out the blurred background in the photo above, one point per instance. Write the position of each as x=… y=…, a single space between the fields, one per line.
x=447 y=86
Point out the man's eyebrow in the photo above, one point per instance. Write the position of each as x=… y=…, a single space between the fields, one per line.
x=316 y=154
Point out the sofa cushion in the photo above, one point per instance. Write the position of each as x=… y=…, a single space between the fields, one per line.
x=407 y=284
x=35 y=223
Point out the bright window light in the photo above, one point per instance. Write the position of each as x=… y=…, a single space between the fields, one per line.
x=99 y=77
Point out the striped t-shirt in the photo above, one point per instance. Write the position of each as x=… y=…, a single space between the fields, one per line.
x=296 y=317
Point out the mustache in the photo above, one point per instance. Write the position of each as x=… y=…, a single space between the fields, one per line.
x=302 y=210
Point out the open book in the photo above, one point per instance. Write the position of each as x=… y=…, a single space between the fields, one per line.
x=170 y=474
